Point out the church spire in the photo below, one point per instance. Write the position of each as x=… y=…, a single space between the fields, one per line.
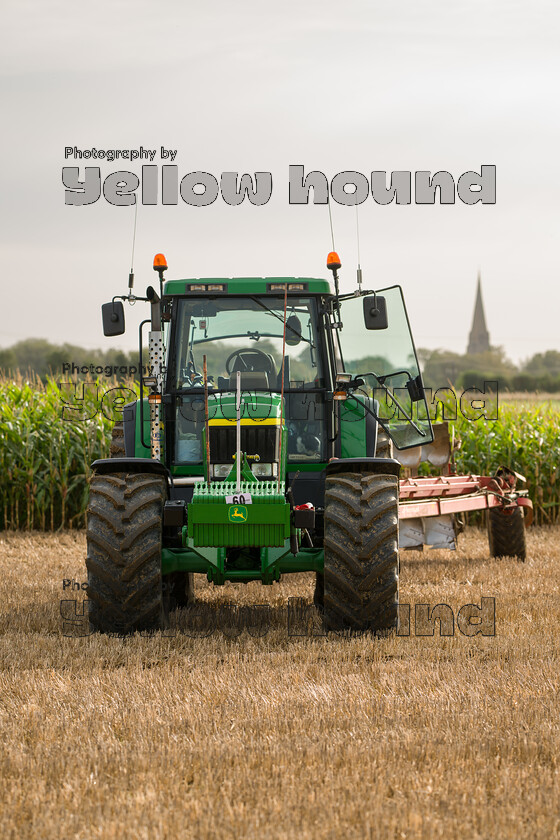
x=479 y=339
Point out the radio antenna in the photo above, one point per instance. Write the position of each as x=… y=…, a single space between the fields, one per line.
x=131 y=275
x=330 y=220
x=359 y=271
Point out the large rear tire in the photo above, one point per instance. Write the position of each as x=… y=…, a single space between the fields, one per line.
x=506 y=533
x=124 y=521
x=361 y=552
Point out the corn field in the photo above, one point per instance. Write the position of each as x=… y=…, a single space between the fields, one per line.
x=51 y=436
x=525 y=438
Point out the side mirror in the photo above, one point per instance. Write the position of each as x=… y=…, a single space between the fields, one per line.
x=113 y=318
x=293 y=330
x=415 y=389
x=375 y=313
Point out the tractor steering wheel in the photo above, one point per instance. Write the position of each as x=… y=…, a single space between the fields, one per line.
x=249 y=358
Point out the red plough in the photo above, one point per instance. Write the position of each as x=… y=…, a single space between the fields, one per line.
x=442 y=494
x=429 y=506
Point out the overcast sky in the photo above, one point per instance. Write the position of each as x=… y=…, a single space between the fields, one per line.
x=251 y=86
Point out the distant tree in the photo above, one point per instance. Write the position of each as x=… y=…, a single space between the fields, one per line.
x=541 y=364
x=43 y=358
x=368 y=364
x=480 y=378
x=31 y=355
x=442 y=368
x=7 y=360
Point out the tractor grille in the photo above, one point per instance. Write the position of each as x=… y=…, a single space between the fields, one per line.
x=256 y=439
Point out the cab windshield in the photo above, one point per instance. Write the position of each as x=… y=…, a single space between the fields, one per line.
x=246 y=334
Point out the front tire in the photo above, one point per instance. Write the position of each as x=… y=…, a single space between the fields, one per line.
x=361 y=552
x=124 y=521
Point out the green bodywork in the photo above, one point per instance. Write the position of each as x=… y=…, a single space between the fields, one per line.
x=248 y=285
x=265 y=521
x=352 y=429
x=141 y=451
x=271 y=565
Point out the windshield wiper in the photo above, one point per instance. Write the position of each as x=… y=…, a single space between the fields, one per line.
x=279 y=317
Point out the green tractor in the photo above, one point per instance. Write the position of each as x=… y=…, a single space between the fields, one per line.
x=256 y=449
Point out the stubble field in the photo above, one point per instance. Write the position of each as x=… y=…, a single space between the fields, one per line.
x=279 y=735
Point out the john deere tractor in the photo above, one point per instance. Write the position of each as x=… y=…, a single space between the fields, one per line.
x=253 y=450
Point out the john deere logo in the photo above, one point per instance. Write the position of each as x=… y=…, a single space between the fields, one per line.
x=237 y=513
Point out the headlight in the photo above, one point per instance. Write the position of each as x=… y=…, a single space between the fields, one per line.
x=220 y=470
x=263 y=470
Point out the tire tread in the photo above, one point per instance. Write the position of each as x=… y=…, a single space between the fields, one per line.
x=360 y=578
x=124 y=526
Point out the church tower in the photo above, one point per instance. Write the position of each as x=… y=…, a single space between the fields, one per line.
x=479 y=339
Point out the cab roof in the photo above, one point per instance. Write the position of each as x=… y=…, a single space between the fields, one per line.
x=248 y=285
